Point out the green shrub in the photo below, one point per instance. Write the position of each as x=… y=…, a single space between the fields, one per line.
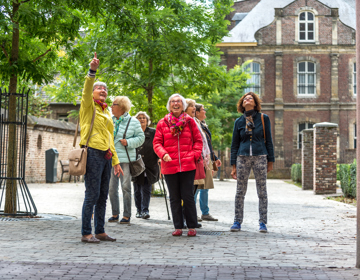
x=343 y=171
x=347 y=175
x=352 y=184
x=296 y=172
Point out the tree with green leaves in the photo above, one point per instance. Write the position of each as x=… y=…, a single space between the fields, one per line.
x=31 y=33
x=221 y=105
x=148 y=50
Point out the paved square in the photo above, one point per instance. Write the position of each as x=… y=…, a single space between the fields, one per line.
x=310 y=237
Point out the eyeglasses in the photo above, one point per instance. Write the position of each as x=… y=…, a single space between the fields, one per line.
x=175 y=101
x=101 y=88
x=114 y=104
x=248 y=98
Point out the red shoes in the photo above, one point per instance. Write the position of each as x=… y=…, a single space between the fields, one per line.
x=177 y=232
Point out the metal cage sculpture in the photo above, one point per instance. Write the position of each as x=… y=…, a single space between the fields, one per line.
x=14 y=193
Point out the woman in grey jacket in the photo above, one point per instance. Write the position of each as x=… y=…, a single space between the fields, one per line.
x=134 y=138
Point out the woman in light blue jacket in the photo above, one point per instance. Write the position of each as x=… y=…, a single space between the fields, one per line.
x=134 y=138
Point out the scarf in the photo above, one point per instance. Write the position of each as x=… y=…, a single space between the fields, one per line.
x=176 y=124
x=117 y=123
x=205 y=149
x=102 y=104
x=249 y=115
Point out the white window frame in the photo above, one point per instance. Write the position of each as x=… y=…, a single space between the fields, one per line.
x=307 y=22
x=355 y=136
x=299 y=133
x=63 y=118
x=306 y=73
x=251 y=85
x=354 y=78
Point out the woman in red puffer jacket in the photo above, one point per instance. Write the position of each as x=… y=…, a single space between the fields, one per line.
x=178 y=144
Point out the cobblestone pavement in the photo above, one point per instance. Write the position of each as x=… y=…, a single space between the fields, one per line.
x=310 y=237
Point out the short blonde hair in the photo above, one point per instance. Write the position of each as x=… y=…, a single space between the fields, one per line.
x=190 y=101
x=146 y=116
x=124 y=103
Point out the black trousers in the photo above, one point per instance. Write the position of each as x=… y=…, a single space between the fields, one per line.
x=181 y=187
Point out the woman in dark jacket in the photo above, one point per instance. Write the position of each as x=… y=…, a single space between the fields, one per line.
x=209 y=184
x=143 y=182
x=251 y=147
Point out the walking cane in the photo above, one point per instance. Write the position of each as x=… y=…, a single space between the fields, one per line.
x=163 y=186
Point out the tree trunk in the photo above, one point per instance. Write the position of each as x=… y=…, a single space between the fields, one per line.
x=222 y=158
x=150 y=91
x=10 y=196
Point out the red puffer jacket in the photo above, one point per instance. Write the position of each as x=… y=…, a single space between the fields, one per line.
x=183 y=149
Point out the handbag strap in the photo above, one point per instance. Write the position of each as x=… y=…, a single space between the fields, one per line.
x=91 y=126
x=124 y=136
x=263 y=123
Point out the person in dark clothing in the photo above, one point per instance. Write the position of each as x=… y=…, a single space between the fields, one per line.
x=200 y=116
x=143 y=182
x=251 y=148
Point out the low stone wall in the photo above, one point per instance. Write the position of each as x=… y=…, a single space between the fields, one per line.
x=44 y=134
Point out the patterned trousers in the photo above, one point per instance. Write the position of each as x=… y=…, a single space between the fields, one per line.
x=243 y=168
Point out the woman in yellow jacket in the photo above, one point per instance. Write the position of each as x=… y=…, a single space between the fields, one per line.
x=101 y=155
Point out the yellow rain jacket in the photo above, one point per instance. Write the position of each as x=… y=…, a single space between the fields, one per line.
x=102 y=135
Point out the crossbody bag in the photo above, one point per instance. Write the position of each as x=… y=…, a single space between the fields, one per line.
x=78 y=157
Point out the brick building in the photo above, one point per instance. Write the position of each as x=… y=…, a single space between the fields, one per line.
x=302 y=65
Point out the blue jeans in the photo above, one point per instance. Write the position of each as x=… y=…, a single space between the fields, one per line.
x=204 y=200
x=142 y=196
x=126 y=190
x=97 y=178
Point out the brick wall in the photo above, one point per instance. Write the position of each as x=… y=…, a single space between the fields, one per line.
x=35 y=152
x=325 y=30
x=318 y=6
x=307 y=159
x=269 y=68
x=267 y=34
x=345 y=77
x=345 y=34
x=289 y=72
x=294 y=109
x=325 y=137
x=287 y=30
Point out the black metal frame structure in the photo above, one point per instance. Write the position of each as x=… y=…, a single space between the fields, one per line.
x=23 y=203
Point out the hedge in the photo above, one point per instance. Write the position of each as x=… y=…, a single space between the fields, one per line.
x=347 y=176
x=296 y=172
